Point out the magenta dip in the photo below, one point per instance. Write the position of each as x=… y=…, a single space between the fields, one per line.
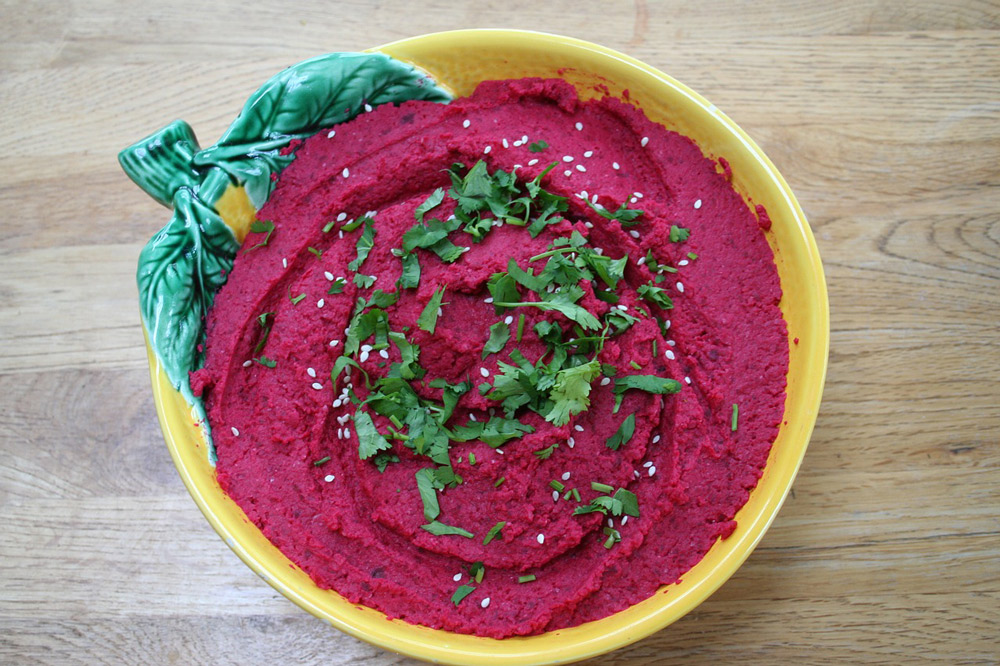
x=288 y=441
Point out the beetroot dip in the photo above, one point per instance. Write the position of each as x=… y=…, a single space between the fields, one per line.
x=289 y=438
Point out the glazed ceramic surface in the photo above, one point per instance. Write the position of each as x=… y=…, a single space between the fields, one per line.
x=214 y=193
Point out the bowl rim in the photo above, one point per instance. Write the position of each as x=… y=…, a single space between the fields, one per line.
x=447 y=647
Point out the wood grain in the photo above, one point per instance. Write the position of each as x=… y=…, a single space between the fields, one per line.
x=885 y=119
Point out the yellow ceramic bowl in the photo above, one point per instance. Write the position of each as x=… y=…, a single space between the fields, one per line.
x=457 y=61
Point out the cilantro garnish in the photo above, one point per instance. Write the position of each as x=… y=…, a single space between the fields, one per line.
x=351 y=225
x=538 y=146
x=623 y=434
x=383 y=460
x=655 y=295
x=648 y=383
x=499 y=336
x=428 y=495
x=261 y=227
x=678 y=234
x=410 y=277
x=571 y=392
x=429 y=204
x=546 y=453
x=494 y=532
x=337 y=286
x=623 y=501
x=366 y=241
x=625 y=215
x=370 y=440
x=264 y=332
x=427 y=321
x=462 y=592
x=364 y=281
x=440 y=529
x=266 y=362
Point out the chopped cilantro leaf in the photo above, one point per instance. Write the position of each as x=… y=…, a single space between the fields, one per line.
x=546 y=453
x=366 y=241
x=265 y=331
x=623 y=434
x=370 y=440
x=428 y=495
x=571 y=392
x=625 y=215
x=692 y=256
x=364 y=281
x=429 y=204
x=494 y=532
x=499 y=336
x=538 y=146
x=462 y=592
x=266 y=362
x=427 y=321
x=261 y=227
x=678 y=234
x=655 y=295
x=410 y=276
x=648 y=383
x=382 y=460
x=440 y=529
x=351 y=225
x=337 y=286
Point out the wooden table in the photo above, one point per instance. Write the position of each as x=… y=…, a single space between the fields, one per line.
x=884 y=118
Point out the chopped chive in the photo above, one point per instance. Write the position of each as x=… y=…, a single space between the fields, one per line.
x=472 y=458
x=635 y=365
x=351 y=225
x=328 y=226
x=395 y=421
x=298 y=298
x=462 y=592
x=610 y=542
x=520 y=327
x=526 y=579
x=654 y=347
x=499 y=482
x=568 y=493
x=480 y=572
x=601 y=487
x=736 y=416
x=576 y=495
x=692 y=256
x=557 y=486
x=317 y=252
x=321 y=461
x=494 y=533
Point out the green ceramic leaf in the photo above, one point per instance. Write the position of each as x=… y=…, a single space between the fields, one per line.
x=299 y=101
x=180 y=270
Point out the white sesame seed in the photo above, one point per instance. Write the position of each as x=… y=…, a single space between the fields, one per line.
x=648 y=463
x=457 y=577
x=633 y=233
x=644 y=141
x=683 y=262
x=524 y=138
x=599 y=250
x=466 y=123
x=334 y=343
x=368 y=108
x=697 y=204
x=579 y=126
x=363 y=356
x=567 y=158
x=540 y=538
x=565 y=476
x=567 y=173
x=638 y=194
x=328 y=275
x=487 y=149
x=340 y=234
x=331 y=134
x=666 y=325
x=284 y=262
x=615 y=166
x=440 y=312
x=236 y=433
x=472 y=417
x=317 y=386
x=500 y=451
x=247 y=364
x=484 y=372
x=672 y=343
x=680 y=287
x=642 y=260
x=670 y=354
x=383 y=353
x=605 y=381
x=485 y=602
x=505 y=144
x=589 y=225
x=589 y=153
x=570 y=442
x=366 y=348
x=508 y=320
x=329 y=478
x=581 y=168
x=346 y=172
x=623 y=308
x=320 y=303
x=652 y=471
x=593 y=199
x=337 y=402
x=555 y=495
x=635 y=473
x=687 y=380
x=311 y=372
x=517 y=143
x=656 y=439
x=624 y=519
x=341 y=217
x=578 y=427
x=611 y=522
x=532 y=162
x=347 y=433
x=488 y=300
x=340 y=433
